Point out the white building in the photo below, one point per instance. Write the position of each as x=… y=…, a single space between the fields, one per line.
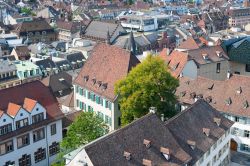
x=94 y=86
x=202 y=141
x=31 y=125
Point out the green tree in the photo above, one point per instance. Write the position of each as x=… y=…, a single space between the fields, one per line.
x=86 y=128
x=147 y=85
x=26 y=10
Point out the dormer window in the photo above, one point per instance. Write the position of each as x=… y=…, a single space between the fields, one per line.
x=93 y=81
x=239 y=90
x=206 y=131
x=86 y=78
x=147 y=143
x=99 y=83
x=219 y=54
x=209 y=99
x=192 y=95
x=61 y=79
x=127 y=155
x=228 y=101
x=37 y=118
x=245 y=104
x=104 y=86
x=205 y=56
x=217 y=121
x=192 y=144
x=183 y=93
x=211 y=87
x=165 y=152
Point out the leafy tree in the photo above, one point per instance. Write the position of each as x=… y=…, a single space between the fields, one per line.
x=26 y=10
x=86 y=128
x=147 y=85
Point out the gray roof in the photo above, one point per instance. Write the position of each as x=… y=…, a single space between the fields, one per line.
x=172 y=135
x=6 y=66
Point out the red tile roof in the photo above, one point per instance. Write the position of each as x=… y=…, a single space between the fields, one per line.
x=29 y=104
x=176 y=61
x=217 y=93
x=106 y=65
x=189 y=44
x=13 y=109
x=33 y=90
x=1 y=113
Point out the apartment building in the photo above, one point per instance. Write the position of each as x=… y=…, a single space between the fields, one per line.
x=202 y=141
x=8 y=74
x=31 y=125
x=239 y=17
x=94 y=86
x=231 y=97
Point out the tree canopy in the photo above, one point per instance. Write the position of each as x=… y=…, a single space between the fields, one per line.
x=147 y=85
x=86 y=128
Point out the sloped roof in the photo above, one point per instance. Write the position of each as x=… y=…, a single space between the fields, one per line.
x=217 y=93
x=107 y=64
x=189 y=124
x=189 y=44
x=110 y=149
x=176 y=61
x=33 y=90
x=29 y=104
x=23 y=52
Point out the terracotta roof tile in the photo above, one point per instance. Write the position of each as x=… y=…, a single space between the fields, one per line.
x=1 y=113
x=107 y=64
x=13 y=109
x=176 y=61
x=217 y=93
x=189 y=44
x=29 y=104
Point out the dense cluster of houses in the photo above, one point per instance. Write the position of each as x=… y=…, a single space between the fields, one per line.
x=61 y=58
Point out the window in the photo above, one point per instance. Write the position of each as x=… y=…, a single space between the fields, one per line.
x=108 y=120
x=37 y=71
x=218 y=68
x=53 y=129
x=54 y=148
x=246 y=133
x=5 y=129
x=22 y=123
x=100 y=114
x=23 y=141
x=25 y=160
x=9 y=163
x=6 y=147
x=90 y=109
x=25 y=74
x=245 y=147
x=235 y=131
x=77 y=103
x=37 y=118
x=40 y=155
x=236 y=119
x=247 y=69
x=38 y=135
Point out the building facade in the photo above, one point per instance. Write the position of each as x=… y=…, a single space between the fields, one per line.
x=31 y=127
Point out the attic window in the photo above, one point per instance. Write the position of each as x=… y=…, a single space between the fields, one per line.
x=206 y=131
x=208 y=99
x=187 y=82
x=93 y=81
x=219 y=54
x=86 y=78
x=127 y=155
x=199 y=96
x=239 y=90
x=217 y=121
x=191 y=144
x=146 y=162
x=99 y=83
x=165 y=152
x=147 y=143
x=211 y=87
x=192 y=95
x=245 y=104
x=228 y=101
x=183 y=93
x=205 y=56
x=104 y=86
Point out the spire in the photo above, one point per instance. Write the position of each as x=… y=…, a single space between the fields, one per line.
x=131 y=44
x=108 y=37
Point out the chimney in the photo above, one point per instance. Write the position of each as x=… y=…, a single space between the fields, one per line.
x=206 y=131
x=146 y=162
x=152 y=110
x=147 y=143
x=127 y=155
x=165 y=152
